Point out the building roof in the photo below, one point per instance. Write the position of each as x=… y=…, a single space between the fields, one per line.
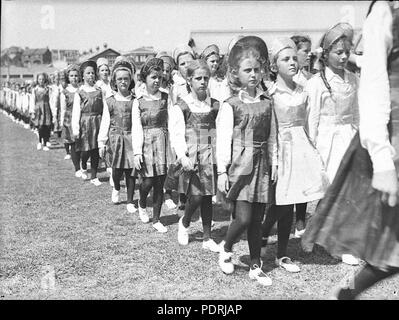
x=35 y=51
x=142 y=50
x=31 y=70
x=96 y=55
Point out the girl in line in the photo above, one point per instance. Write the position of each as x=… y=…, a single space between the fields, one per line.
x=41 y=112
x=333 y=105
x=150 y=140
x=300 y=176
x=245 y=150
x=192 y=129
x=115 y=136
x=66 y=101
x=55 y=102
x=86 y=119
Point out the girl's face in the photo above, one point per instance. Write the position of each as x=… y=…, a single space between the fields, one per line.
x=213 y=63
x=249 y=73
x=338 y=55
x=184 y=60
x=167 y=70
x=303 y=54
x=153 y=81
x=103 y=72
x=40 y=80
x=199 y=81
x=73 y=77
x=89 y=75
x=287 y=63
x=123 y=80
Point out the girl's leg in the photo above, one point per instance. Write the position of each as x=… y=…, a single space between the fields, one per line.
x=206 y=216
x=363 y=280
x=116 y=176
x=130 y=184
x=145 y=188
x=67 y=147
x=40 y=130
x=192 y=205
x=75 y=155
x=157 y=197
x=95 y=159
x=254 y=234
x=284 y=223
x=46 y=134
x=300 y=214
x=271 y=218
x=85 y=155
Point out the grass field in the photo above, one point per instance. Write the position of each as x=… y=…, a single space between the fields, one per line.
x=61 y=238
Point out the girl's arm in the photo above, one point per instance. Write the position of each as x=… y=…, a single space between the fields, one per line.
x=104 y=127
x=224 y=136
x=62 y=107
x=76 y=115
x=32 y=102
x=272 y=146
x=177 y=131
x=314 y=105
x=356 y=117
x=137 y=129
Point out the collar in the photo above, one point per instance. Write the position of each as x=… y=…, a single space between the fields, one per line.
x=277 y=87
x=244 y=96
x=330 y=75
x=144 y=94
x=119 y=97
x=71 y=88
x=189 y=99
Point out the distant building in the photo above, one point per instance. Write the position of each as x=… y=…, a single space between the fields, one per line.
x=69 y=56
x=108 y=53
x=140 y=55
x=32 y=57
x=12 y=56
x=24 y=74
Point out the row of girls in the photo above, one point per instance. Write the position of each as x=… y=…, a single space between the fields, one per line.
x=269 y=136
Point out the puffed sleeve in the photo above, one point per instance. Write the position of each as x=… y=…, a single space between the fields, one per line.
x=32 y=102
x=272 y=141
x=75 y=122
x=62 y=107
x=224 y=136
x=314 y=93
x=104 y=127
x=137 y=129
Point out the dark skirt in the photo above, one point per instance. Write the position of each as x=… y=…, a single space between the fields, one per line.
x=89 y=128
x=119 y=150
x=200 y=182
x=172 y=177
x=352 y=219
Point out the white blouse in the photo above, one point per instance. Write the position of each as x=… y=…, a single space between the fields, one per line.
x=224 y=132
x=374 y=91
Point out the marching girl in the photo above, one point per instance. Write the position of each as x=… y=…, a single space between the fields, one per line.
x=304 y=48
x=115 y=136
x=25 y=100
x=150 y=140
x=192 y=129
x=55 y=101
x=245 y=149
x=87 y=110
x=66 y=101
x=300 y=176
x=333 y=106
x=359 y=212
x=103 y=73
x=40 y=110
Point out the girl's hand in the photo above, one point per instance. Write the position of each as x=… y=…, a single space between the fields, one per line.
x=138 y=159
x=223 y=183
x=101 y=152
x=274 y=174
x=387 y=183
x=186 y=164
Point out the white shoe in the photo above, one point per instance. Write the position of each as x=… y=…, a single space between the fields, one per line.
x=48 y=144
x=78 y=174
x=67 y=157
x=299 y=233
x=131 y=208
x=182 y=233
x=272 y=239
x=287 y=264
x=143 y=215
x=96 y=182
x=210 y=245
x=45 y=148
x=159 y=227
x=258 y=275
x=84 y=175
x=350 y=259
x=109 y=171
x=39 y=146
x=170 y=204
x=225 y=260
x=115 y=196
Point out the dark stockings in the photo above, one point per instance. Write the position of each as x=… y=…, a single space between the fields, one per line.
x=95 y=158
x=193 y=203
x=145 y=187
x=130 y=181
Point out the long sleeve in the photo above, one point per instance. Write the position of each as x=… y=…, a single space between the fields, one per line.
x=374 y=91
x=356 y=116
x=137 y=129
x=314 y=105
x=62 y=107
x=177 y=129
x=76 y=115
x=224 y=136
x=272 y=145
x=32 y=102
x=104 y=127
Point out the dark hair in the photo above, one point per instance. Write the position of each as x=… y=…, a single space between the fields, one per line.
x=67 y=75
x=112 y=81
x=143 y=75
x=300 y=39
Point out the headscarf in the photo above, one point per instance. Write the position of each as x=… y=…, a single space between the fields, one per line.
x=244 y=44
x=85 y=64
x=150 y=64
x=339 y=30
x=122 y=63
x=280 y=44
x=180 y=50
x=167 y=59
x=102 y=61
x=212 y=49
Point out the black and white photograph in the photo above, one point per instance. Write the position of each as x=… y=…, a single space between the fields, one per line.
x=183 y=151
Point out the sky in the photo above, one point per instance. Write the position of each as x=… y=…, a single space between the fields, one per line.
x=126 y=25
